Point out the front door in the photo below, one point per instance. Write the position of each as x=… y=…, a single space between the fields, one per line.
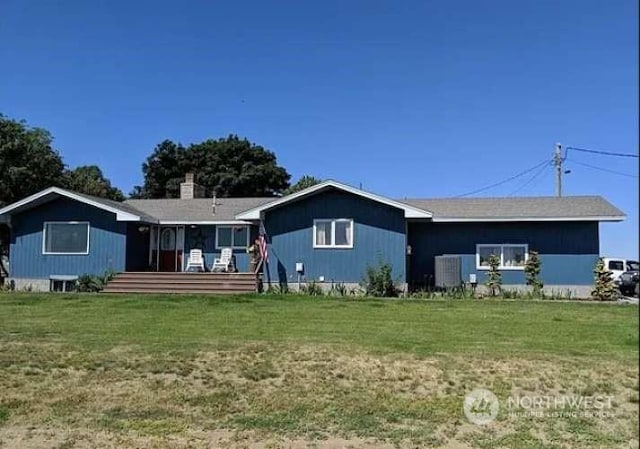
x=168 y=249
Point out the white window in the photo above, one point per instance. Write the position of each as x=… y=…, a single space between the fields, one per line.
x=334 y=233
x=512 y=257
x=232 y=236
x=65 y=238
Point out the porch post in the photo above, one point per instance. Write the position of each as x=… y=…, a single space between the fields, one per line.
x=158 y=249
x=150 y=247
x=175 y=251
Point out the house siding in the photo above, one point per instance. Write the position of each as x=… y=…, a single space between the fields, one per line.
x=379 y=235
x=107 y=242
x=137 y=247
x=568 y=250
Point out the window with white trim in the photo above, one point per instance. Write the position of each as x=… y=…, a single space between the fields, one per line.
x=70 y=237
x=232 y=237
x=512 y=256
x=333 y=233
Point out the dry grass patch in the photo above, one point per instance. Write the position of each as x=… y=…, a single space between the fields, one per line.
x=265 y=395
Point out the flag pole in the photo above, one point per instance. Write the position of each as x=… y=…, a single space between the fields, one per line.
x=264 y=252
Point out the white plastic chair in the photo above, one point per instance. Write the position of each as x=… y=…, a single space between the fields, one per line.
x=195 y=260
x=223 y=263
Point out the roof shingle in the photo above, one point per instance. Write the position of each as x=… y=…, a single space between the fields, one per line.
x=197 y=209
x=570 y=207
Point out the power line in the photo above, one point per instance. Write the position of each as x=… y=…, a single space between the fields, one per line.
x=605 y=169
x=535 y=175
x=605 y=153
x=529 y=170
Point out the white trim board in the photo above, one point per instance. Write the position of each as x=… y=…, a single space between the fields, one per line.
x=515 y=219
x=203 y=223
x=409 y=211
x=333 y=222
x=44 y=238
x=501 y=245
x=248 y=239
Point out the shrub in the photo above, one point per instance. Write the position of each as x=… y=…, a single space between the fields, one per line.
x=89 y=283
x=532 y=272
x=379 y=282
x=494 y=277
x=604 y=289
x=311 y=289
x=278 y=289
x=511 y=294
x=339 y=289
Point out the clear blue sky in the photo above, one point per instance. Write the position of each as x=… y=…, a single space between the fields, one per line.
x=410 y=98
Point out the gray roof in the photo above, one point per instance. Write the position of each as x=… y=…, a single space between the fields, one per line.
x=521 y=208
x=446 y=209
x=119 y=205
x=196 y=210
x=594 y=208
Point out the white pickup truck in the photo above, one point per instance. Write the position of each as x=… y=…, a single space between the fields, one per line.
x=618 y=266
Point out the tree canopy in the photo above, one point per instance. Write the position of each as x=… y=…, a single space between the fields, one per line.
x=89 y=179
x=304 y=182
x=28 y=162
x=228 y=166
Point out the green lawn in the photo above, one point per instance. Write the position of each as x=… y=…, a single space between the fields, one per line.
x=249 y=371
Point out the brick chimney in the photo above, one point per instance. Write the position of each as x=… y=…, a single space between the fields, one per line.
x=189 y=189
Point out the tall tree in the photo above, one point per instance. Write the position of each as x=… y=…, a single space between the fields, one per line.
x=163 y=172
x=303 y=183
x=89 y=179
x=228 y=167
x=28 y=162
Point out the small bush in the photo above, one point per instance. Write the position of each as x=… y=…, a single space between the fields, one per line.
x=511 y=294
x=338 y=289
x=89 y=283
x=423 y=294
x=277 y=289
x=532 y=273
x=559 y=294
x=494 y=277
x=311 y=289
x=378 y=281
x=604 y=289
x=457 y=293
x=4 y=414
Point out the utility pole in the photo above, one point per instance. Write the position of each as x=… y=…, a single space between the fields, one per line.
x=557 y=161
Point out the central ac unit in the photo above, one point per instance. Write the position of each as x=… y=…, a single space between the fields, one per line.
x=448 y=271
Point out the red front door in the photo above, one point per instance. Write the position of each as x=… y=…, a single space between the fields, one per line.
x=170 y=259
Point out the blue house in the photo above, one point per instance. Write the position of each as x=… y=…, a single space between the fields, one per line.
x=328 y=233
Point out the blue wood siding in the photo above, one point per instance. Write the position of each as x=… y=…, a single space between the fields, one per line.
x=568 y=250
x=107 y=241
x=379 y=235
x=204 y=237
x=137 y=248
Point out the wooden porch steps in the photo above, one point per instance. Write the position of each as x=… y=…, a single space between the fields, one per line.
x=207 y=283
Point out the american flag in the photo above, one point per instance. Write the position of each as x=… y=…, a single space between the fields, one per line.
x=262 y=243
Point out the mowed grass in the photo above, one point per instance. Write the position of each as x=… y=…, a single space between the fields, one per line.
x=163 y=323
x=99 y=371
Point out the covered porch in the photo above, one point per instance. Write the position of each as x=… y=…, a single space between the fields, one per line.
x=164 y=248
